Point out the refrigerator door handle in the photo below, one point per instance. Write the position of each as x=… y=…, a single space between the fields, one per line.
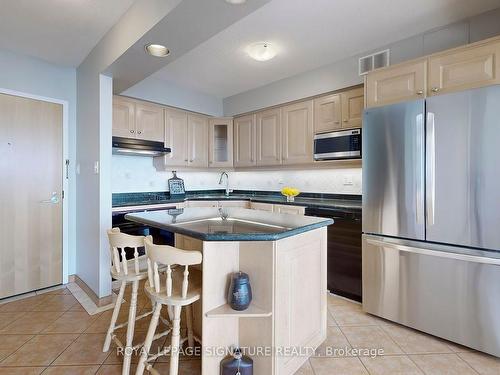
x=420 y=170
x=430 y=168
x=440 y=254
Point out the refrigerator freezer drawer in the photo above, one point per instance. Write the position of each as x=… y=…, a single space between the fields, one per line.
x=455 y=296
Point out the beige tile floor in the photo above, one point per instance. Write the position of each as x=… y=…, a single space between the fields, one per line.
x=52 y=334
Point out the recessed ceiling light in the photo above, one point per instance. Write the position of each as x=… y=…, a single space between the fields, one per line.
x=236 y=2
x=157 y=50
x=261 y=51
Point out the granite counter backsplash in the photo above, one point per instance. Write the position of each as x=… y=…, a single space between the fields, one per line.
x=340 y=201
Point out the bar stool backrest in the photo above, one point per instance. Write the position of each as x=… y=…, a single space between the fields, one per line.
x=169 y=256
x=118 y=241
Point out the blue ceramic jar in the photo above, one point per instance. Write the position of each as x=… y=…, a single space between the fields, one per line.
x=237 y=364
x=240 y=292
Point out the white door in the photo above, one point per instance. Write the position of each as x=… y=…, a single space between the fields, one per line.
x=31 y=165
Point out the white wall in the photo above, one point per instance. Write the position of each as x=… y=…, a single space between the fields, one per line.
x=36 y=77
x=94 y=110
x=137 y=174
x=167 y=93
x=344 y=73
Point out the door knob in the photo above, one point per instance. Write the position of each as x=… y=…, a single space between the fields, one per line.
x=435 y=89
x=420 y=92
x=54 y=199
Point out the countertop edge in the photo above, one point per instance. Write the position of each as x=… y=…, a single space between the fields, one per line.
x=224 y=237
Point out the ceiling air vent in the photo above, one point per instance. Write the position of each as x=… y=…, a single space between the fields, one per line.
x=374 y=61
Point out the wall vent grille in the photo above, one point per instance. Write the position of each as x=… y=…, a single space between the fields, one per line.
x=374 y=61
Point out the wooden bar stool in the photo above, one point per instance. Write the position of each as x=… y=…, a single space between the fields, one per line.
x=130 y=271
x=179 y=288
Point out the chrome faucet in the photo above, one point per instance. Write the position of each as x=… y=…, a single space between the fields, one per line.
x=224 y=173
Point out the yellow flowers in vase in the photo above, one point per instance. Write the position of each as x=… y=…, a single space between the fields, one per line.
x=290 y=193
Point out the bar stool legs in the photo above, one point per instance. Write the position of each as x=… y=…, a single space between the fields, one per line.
x=127 y=355
x=149 y=338
x=114 y=318
x=176 y=333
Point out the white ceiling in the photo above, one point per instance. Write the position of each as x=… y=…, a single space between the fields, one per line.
x=309 y=34
x=59 y=31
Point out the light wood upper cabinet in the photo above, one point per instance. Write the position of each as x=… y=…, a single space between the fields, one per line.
x=268 y=133
x=297 y=133
x=197 y=141
x=244 y=141
x=398 y=83
x=327 y=113
x=123 y=117
x=177 y=138
x=149 y=122
x=464 y=68
x=220 y=143
x=353 y=104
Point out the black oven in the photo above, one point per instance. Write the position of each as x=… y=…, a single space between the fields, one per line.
x=160 y=236
x=344 y=144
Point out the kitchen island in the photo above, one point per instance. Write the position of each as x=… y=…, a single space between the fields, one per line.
x=285 y=257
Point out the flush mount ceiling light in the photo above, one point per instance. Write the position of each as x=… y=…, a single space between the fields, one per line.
x=157 y=50
x=261 y=51
x=236 y=2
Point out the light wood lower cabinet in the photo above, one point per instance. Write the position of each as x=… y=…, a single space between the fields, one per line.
x=244 y=141
x=300 y=309
x=288 y=209
x=297 y=133
x=197 y=141
x=398 y=83
x=268 y=137
x=214 y=204
x=464 y=68
x=278 y=208
x=261 y=206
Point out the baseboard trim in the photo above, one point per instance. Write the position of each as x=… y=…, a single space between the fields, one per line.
x=100 y=302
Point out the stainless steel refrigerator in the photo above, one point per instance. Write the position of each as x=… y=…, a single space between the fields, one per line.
x=431 y=215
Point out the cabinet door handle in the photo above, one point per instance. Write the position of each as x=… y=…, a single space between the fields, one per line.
x=191 y=161
x=420 y=92
x=185 y=160
x=345 y=120
x=435 y=89
x=132 y=131
x=139 y=132
x=336 y=122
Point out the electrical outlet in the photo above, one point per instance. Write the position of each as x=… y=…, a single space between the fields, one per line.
x=96 y=167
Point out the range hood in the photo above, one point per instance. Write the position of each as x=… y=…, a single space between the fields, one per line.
x=138 y=147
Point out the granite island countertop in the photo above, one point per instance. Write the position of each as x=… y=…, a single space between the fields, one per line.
x=351 y=203
x=229 y=224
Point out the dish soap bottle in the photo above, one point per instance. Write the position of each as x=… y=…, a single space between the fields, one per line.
x=236 y=364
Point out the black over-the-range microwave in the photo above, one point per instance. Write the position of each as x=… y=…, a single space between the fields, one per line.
x=342 y=144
